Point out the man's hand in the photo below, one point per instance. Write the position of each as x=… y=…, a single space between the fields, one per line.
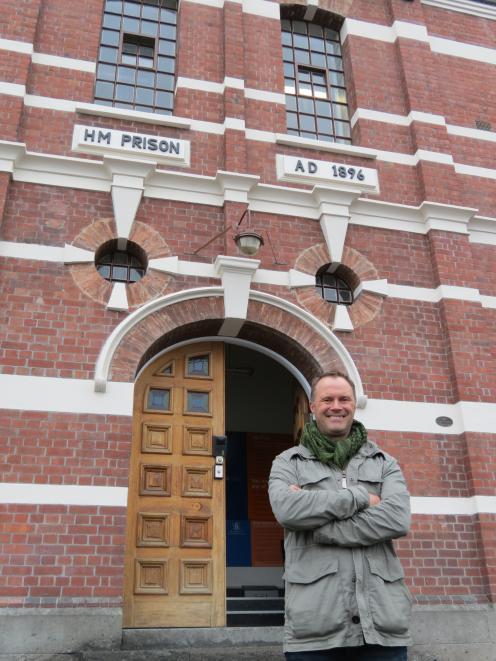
x=374 y=500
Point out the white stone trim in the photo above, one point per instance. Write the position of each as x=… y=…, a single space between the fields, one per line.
x=473 y=134
x=475 y=171
x=132 y=115
x=236 y=274
x=466 y=51
x=16 y=46
x=235 y=83
x=400 y=120
x=262 y=8
x=49 y=103
x=12 y=89
x=104 y=360
x=63 y=62
x=72 y=494
x=265 y=95
x=62 y=494
x=118 y=298
x=32 y=251
x=482 y=230
x=342 y=320
x=39 y=393
x=322 y=145
x=464 y=7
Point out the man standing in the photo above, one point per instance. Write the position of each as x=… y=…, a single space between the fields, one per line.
x=341 y=500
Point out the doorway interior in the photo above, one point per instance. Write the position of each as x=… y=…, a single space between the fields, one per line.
x=260 y=396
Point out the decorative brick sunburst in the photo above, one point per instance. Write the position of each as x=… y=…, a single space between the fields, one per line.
x=153 y=284
x=359 y=270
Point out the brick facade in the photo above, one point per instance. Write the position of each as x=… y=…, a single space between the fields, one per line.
x=429 y=340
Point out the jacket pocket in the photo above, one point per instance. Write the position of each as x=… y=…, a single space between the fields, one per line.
x=314 y=599
x=370 y=476
x=390 y=600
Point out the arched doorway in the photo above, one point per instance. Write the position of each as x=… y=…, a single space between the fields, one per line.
x=193 y=521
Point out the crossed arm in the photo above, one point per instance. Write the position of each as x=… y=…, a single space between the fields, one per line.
x=348 y=517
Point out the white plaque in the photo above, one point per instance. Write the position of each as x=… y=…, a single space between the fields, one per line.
x=334 y=173
x=157 y=148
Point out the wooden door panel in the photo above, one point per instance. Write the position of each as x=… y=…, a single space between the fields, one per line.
x=175 y=542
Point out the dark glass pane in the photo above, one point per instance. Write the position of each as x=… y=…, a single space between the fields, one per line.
x=145 y=62
x=126 y=75
x=167 y=370
x=144 y=96
x=145 y=78
x=158 y=399
x=130 y=47
x=106 y=72
x=131 y=9
x=289 y=70
x=304 y=75
x=128 y=59
x=166 y=64
x=307 y=123
x=300 y=41
x=330 y=295
x=198 y=365
x=315 y=30
x=130 y=24
x=340 y=112
x=300 y=27
x=167 y=48
x=336 y=78
x=164 y=81
x=119 y=273
x=197 y=402
x=105 y=90
x=328 y=279
x=104 y=271
x=110 y=38
x=302 y=56
x=292 y=120
x=306 y=105
x=344 y=296
x=318 y=59
x=334 y=63
x=111 y=21
x=124 y=92
x=324 y=125
x=331 y=34
x=333 y=48
x=286 y=38
x=290 y=102
x=145 y=51
x=135 y=275
x=338 y=94
x=168 y=16
x=323 y=108
x=149 y=28
x=317 y=44
x=149 y=12
x=287 y=54
x=342 y=129
x=285 y=25
x=114 y=6
x=168 y=32
x=108 y=54
x=121 y=258
x=164 y=99
x=318 y=78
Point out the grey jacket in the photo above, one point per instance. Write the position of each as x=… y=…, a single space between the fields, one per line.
x=344 y=582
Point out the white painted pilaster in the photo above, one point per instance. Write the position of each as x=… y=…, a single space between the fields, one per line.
x=128 y=183
x=236 y=274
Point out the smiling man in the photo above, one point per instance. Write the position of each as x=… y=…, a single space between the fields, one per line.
x=342 y=501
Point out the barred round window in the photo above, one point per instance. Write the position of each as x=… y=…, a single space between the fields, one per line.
x=332 y=287
x=120 y=260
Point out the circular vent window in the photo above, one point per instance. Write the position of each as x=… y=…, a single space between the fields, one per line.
x=120 y=260
x=333 y=287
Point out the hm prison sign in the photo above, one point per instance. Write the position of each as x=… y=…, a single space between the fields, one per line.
x=340 y=175
x=103 y=141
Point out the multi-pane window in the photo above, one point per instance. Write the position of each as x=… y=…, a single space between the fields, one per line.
x=137 y=57
x=316 y=103
x=117 y=265
x=333 y=288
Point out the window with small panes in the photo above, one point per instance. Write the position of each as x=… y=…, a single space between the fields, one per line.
x=314 y=83
x=137 y=57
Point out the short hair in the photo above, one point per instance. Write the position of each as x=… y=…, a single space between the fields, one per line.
x=333 y=374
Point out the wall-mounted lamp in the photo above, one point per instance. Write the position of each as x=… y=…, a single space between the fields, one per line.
x=248 y=241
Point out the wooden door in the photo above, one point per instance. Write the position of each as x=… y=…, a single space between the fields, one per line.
x=301 y=412
x=175 y=544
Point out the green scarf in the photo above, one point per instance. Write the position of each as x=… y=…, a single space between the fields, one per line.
x=328 y=451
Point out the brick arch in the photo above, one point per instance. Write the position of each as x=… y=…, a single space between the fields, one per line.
x=271 y=322
x=365 y=308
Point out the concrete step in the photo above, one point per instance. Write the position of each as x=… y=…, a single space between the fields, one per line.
x=230 y=638
x=244 y=653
